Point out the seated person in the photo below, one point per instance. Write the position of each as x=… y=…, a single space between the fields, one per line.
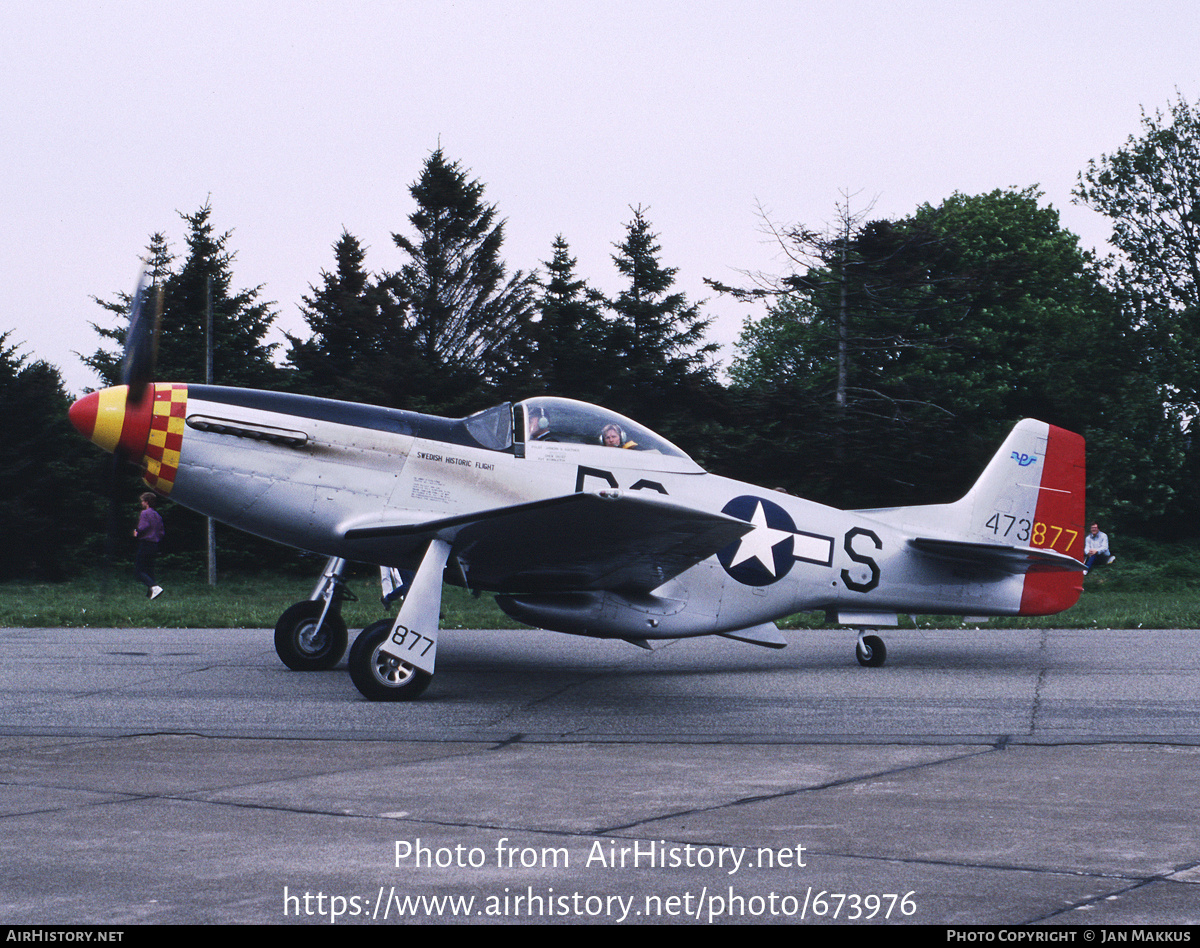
x=539 y=426
x=611 y=436
x=1095 y=549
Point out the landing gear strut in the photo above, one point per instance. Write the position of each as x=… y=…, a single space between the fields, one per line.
x=393 y=660
x=311 y=635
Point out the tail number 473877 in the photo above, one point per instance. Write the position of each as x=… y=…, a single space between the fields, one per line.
x=1036 y=533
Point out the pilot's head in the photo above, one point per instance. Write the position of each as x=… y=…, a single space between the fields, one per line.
x=610 y=436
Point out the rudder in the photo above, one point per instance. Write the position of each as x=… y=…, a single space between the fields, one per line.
x=1058 y=524
x=1024 y=515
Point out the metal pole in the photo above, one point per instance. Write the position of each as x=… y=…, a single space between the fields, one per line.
x=208 y=379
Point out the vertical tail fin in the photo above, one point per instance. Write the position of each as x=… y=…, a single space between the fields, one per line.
x=1031 y=495
x=1023 y=517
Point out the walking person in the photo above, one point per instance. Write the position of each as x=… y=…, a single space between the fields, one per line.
x=149 y=533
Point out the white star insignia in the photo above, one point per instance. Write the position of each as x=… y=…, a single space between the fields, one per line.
x=759 y=544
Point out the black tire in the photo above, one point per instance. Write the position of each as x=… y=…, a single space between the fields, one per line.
x=870 y=651
x=304 y=647
x=379 y=676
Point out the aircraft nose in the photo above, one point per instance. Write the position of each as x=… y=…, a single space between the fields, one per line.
x=108 y=419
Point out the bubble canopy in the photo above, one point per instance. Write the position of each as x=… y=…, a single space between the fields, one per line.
x=567 y=421
x=552 y=420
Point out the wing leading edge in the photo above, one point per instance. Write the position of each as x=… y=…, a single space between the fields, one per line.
x=583 y=541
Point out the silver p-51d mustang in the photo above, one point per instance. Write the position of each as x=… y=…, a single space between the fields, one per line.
x=582 y=521
x=578 y=519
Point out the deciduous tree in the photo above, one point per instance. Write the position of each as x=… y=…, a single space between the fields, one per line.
x=1150 y=191
x=953 y=323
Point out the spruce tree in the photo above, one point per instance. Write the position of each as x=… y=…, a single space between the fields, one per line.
x=241 y=357
x=659 y=333
x=241 y=321
x=355 y=325
x=468 y=320
x=106 y=363
x=49 y=509
x=575 y=356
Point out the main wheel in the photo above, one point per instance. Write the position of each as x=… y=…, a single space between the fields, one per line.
x=302 y=645
x=379 y=676
x=870 y=651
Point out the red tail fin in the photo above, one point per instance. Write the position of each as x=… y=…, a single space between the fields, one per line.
x=1058 y=525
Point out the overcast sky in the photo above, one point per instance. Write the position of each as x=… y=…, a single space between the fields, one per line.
x=298 y=119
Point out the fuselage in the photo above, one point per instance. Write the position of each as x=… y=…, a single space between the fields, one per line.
x=318 y=474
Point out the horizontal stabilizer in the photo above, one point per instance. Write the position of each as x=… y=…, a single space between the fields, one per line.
x=1008 y=559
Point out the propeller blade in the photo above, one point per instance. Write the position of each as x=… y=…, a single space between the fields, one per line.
x=137 y=371
x=141 y=341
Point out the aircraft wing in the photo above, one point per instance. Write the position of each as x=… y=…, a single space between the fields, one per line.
x=994 y=556
x=581 y=541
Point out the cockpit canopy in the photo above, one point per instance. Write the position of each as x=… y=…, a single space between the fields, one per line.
x=563 y=420
x=571 y=422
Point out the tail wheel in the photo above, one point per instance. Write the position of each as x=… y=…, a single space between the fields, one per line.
x=380 y=676
x=870 y=652
x=305 y=643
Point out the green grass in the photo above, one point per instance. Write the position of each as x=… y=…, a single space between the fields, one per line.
x=1150 y=586
x=235 y=602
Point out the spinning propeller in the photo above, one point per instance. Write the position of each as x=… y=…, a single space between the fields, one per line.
x=118 y=418
x=141 y=342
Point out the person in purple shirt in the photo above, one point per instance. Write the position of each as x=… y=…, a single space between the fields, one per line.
x=149 y=533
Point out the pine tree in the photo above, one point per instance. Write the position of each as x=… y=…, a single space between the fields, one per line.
x=659 y=334
x=467 y=319
x=355 y=325
x=574 y=355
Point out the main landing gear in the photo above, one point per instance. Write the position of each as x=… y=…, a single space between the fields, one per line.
x=393 y=660
x=311 y=635
x=379 y=675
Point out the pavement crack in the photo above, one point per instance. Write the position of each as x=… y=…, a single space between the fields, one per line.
x=1035 y=709
x=795 y=791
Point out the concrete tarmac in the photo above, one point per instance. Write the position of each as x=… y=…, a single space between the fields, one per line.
x=994 y=777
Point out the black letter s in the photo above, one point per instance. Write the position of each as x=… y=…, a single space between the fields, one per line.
x=848 y=545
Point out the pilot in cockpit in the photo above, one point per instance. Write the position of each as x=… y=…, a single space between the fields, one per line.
x=611 y=436
x=539 y=424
